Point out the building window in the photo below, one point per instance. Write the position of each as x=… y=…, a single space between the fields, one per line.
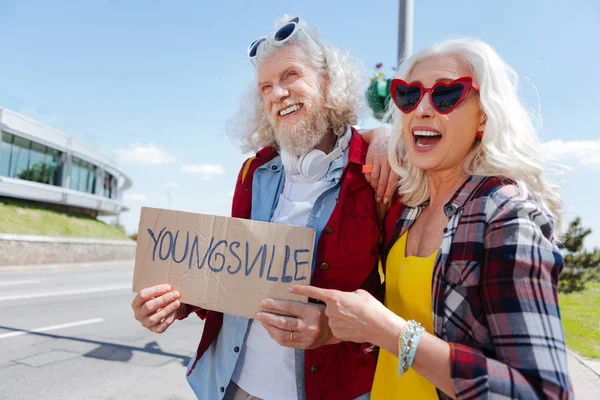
x=53 y=166
x=24 y=159
x=100 y=181
x=5 y=148
x=19 y=158
x=113 y=194
x=37 y=164
x=107 y=185
x=32 y=161
x=83 y=175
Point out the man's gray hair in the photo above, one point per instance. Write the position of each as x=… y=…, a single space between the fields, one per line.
x=344 y=100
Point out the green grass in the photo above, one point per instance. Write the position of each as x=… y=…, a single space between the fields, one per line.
x=24 y=218
x=580 y=314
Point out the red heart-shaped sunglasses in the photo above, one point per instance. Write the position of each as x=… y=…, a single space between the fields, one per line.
x=445 y=96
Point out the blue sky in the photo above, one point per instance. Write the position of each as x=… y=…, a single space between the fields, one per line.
x=152 y=83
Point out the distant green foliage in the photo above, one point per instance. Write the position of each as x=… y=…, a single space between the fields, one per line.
x=378 y=97
x=581 y=266
x=580 y=314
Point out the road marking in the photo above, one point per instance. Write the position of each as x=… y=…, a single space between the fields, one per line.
x=51 y=328
x=18 y=283
x=66 y=292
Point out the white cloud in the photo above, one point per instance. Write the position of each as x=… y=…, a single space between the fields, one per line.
x=135 y=197
x=206 y=171
x=144 y=154
x=578 y=152
x=172 y=185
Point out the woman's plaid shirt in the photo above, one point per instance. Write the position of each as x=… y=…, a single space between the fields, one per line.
x=494 y=292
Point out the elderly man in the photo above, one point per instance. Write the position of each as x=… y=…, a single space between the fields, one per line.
x=308 y=171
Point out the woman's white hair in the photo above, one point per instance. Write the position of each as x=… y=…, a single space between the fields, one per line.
x=510 y=146
x=344 y=100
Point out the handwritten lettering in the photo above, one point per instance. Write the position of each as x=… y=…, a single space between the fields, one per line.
x=299 y=263
x=169 y=247
x=187 y=243
x=233 y=253
x=155 y=240
x=222 y=256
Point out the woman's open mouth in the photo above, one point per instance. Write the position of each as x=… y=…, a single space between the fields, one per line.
x=426 y=140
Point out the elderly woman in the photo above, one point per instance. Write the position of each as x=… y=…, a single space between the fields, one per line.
x=472 y=265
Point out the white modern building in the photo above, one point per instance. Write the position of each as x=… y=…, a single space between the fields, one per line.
x=43 y=165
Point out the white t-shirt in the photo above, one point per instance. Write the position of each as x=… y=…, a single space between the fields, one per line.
x=266 y=369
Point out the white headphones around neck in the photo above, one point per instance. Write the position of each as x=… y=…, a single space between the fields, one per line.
x=314 y=164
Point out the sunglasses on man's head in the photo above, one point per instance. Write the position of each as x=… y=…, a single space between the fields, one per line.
x=444 y=96
x=282 y=35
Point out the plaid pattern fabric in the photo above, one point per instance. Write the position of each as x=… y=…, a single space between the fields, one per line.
x=494 y=294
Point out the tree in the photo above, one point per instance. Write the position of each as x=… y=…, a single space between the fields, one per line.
x=378 y=93
x=581 y=266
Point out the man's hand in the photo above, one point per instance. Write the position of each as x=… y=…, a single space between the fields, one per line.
x=382 y=178
x=157 y=307
x=306 y=327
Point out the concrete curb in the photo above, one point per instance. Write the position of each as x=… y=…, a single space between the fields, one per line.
x=93 y=264
x=65 y=239
x=37 y=250
x=587 y=363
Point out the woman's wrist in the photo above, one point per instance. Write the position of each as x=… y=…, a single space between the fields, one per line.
x=388 y=336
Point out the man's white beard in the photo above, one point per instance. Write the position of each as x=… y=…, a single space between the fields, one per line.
x=307 y=133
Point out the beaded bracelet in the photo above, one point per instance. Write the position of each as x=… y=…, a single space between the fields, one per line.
x=408 y=341
x=403 y=340
x=415 y=339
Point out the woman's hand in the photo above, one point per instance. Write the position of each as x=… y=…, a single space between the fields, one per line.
x=359 y=317
x=381 y=178
x=356 y=316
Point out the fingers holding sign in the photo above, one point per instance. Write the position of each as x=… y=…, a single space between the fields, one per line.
x=156 y=307
x=353 y=316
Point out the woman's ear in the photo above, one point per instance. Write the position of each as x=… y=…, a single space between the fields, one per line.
x=482 y=122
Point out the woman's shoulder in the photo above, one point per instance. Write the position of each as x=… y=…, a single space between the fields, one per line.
x=503 y=201
x=496 y=186
x=489 y=193
x=500 y=191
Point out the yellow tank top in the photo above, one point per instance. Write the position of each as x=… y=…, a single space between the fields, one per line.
x=408 y=294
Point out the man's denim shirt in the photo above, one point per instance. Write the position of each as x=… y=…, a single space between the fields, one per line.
x=215 y=369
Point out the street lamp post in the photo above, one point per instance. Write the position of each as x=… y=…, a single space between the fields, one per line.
x=406 y=11
x=378 y=92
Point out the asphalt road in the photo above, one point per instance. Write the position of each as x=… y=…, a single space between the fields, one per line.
x=69 y=333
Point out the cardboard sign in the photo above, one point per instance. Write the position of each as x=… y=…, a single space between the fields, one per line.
x=222 y=264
